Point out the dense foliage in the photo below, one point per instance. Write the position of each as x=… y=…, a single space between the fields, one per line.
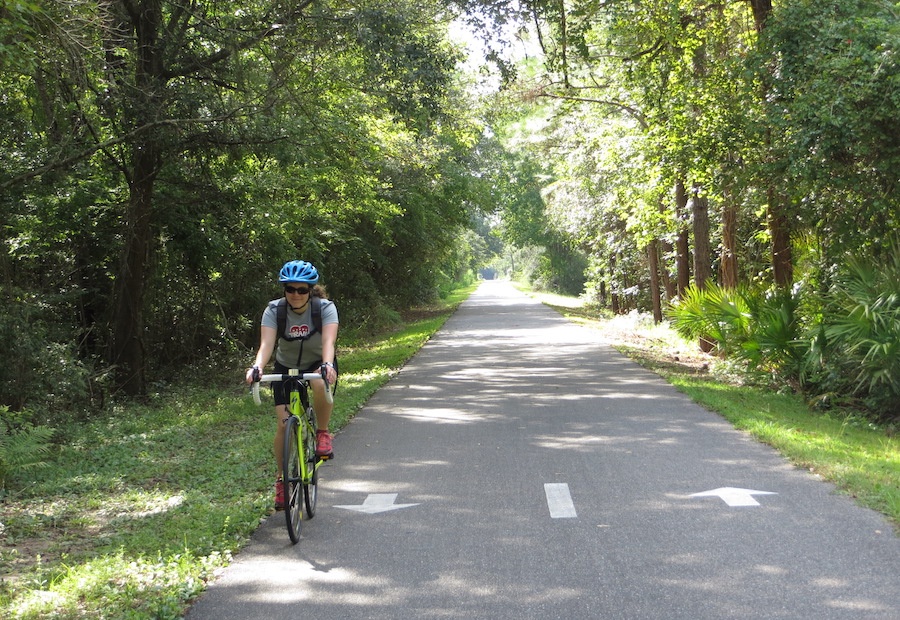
x=162 y=160
x=731 y=156
x=841 y=347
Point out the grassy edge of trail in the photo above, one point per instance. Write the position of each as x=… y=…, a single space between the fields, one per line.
x=859 y=458
x=138 y=510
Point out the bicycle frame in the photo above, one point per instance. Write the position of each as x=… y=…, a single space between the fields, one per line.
x=299 y=407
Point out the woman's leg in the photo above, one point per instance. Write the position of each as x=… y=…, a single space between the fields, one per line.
x=323 y=416
x=322 y=407
x=281 y=414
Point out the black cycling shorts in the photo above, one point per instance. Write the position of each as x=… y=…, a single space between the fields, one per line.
x=281 y=393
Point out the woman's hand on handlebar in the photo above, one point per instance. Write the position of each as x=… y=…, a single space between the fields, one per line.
x=253 y=374
x=330 y=373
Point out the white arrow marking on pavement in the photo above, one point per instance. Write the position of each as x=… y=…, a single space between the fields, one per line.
x=378 y=502
x=735 y=497
x=559 y=500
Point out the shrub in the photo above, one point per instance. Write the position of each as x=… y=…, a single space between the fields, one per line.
x=760 y=327
x=777 y=336
x=847 y=353
x=42 y=364
x=714 y=314
x=21 y=449
x=861 y=328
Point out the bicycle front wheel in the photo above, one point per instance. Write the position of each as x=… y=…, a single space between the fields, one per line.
x=311 y=484
x=293 y=478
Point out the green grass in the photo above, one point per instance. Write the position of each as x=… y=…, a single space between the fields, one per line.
x=139 y=509
x=861 y=459
x=132 y=517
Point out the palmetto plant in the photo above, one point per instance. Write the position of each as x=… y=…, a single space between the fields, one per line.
x=758 y=326
x=864 y=323
x=777 y=333
x=850 y=352
x=715 y=314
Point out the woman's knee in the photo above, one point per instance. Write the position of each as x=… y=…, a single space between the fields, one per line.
x=280 y=415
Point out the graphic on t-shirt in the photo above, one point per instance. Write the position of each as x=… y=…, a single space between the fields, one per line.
x=299 y=330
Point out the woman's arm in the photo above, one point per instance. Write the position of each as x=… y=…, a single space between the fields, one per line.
x=329 y=338
x=267 y=339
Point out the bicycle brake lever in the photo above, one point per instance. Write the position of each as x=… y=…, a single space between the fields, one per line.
x=323 y=370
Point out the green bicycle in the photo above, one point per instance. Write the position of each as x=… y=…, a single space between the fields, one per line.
x=300 y=463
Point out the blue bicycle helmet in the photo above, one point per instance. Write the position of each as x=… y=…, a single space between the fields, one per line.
x=298 y=271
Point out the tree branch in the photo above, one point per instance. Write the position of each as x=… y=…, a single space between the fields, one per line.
x=650 y=50
x=62 y=163
x=227 y=52
x=634 y=112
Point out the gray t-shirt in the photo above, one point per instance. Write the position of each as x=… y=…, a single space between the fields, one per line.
x=307 y=351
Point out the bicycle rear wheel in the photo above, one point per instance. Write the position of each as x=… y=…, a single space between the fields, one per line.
x=311 y=486
x=293 y=482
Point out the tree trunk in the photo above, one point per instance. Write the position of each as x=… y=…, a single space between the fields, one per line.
x=664 y=250
x=682 y=245
x=702 y=262
x=782 y=257
x=614 y=296
x=128 y=318
x=669 y=285
x=655 y=296
x=728 y=268
x=702 y=253
x=127 y=346
x=761 y=11
x=699 y=201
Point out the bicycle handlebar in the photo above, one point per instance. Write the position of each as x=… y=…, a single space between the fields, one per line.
x=306 y=376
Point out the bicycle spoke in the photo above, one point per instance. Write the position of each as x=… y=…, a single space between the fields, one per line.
x=292 y=480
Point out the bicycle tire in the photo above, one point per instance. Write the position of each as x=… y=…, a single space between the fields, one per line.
x=293 y=483
x=311 y=487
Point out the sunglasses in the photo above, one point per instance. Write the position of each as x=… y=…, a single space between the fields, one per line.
x=300 y=290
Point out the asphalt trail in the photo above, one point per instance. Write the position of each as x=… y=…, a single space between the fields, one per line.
x=543 y=475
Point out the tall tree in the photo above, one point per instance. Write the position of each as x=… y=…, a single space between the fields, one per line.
x=198 y=120
x=779 y=225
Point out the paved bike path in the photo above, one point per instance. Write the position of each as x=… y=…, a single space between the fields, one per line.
x=509 y=397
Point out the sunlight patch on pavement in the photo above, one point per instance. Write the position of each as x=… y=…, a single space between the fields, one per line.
x=443 y=416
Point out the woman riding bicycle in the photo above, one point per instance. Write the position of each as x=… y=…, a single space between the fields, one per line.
x=300 y=346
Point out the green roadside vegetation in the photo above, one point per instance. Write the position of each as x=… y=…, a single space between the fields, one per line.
x=136 y=510
x=861 y=458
